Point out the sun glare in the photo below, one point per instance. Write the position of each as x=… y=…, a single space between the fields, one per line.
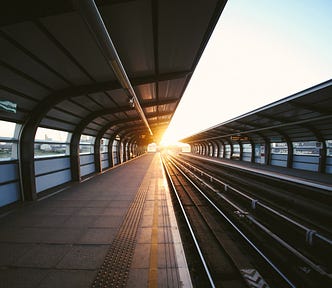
x=169 y=139
x=260 y=52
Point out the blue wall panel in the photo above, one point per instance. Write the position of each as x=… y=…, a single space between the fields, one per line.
x=51 y=180
x=104 y=164
x=86 y=159
x=87 y=169
x=279 y=163
x=258 y=159
x=53 y=164
x=329 y=169
x=279 y=160
x=246 y=156
x=328 y=165
x=9 y=193
x=8 y=172
x=104 y=156
x=306 y=166
x=281 y=157
x=305 y=162
x=87 y=164
x=306 y=159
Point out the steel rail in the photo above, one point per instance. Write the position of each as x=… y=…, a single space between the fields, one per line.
x=283 y=243
x=258 y=203
x=189 y=227
x=274 y=267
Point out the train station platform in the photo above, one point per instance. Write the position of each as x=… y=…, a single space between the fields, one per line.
x=117 y=229
x=309 y=178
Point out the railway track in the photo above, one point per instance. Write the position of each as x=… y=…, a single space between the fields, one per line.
x=304 y=221
x=225 y=264
x=309 y=205
x=216 y=218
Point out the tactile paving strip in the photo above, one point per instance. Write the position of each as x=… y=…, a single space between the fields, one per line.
x=115 y=268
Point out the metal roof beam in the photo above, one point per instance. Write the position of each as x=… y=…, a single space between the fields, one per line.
x=312 y=108
x=93 y=19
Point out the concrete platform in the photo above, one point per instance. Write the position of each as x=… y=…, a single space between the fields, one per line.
x=310 y=178
x=117 y=229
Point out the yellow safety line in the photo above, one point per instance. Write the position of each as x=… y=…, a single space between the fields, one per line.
x=153 y=272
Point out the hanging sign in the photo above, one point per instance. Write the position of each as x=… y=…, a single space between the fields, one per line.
x=8 y=106
x=239 y=138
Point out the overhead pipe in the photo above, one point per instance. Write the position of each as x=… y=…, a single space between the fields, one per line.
x=90 y=13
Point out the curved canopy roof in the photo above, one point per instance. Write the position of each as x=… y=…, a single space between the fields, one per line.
x=304 y=116
x=57 y=69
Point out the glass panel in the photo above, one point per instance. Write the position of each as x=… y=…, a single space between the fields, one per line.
x=236 y=148
x=51 y=149
x=306 y=148
x=86 y=149
x=236 y=151
x=7 y=129
x=104 y=141
x=279 y=148
x=227 y=151
x=258 y=150
x=115 y=145
x=104 y=145
x=87 y=139
x=103 y=149
x=221 y=152
x=329 y=147
x=51 y=135
x=8 y=151
x=246 y=148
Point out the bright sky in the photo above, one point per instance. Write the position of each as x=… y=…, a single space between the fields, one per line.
x=261 y=51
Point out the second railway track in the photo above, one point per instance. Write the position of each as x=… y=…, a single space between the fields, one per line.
x=227 y=264
x=230 y=259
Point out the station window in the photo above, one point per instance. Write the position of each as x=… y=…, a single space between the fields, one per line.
x=236 y=151
x=279 y=148
x=104 y=145
x=115 y=148
x=87 y=144
x=221 y=150
x=51 y=143
x=247 y=148
x=246 y=152
x=8 y=140
x=307 y=148
x=329 y=148
x=210 y=150
x=152 y=147
x=227 y=151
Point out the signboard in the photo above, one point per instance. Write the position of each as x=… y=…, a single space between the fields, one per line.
x=8 y=106
x=239 y=138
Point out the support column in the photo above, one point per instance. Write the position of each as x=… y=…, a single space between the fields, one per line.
x=75 y=157
x=124 y=150
x=97 y=158
x=27 y=164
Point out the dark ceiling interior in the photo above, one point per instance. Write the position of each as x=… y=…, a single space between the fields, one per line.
x=61 y=75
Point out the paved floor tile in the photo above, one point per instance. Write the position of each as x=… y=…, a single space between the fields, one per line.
x=68 y=279
x=84 y=257
x=98 y=236
x=21 y=277
x=11 y=252
x=43 y=256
